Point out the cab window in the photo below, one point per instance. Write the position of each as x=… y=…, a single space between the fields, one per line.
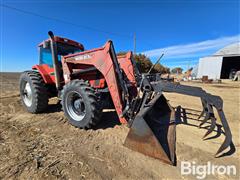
x=62 y=50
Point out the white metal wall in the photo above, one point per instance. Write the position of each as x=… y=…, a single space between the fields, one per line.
x=210 y=66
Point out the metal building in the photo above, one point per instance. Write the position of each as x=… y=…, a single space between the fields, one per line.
x=221 y=64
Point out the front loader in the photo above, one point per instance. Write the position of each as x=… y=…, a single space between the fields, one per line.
x=84 y=80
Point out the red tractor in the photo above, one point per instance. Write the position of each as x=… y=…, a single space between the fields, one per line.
x=86 y=80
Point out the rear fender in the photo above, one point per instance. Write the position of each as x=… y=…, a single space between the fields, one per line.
x=46 y=72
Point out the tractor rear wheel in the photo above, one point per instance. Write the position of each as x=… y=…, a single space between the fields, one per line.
x=33 y=92
x=80 y=104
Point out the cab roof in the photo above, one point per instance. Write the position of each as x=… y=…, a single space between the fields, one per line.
x=65 y=41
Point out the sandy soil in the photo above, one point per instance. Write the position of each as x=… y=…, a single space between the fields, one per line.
x=46 y=146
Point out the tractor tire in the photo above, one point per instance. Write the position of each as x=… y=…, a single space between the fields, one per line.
x=80 y=104
x=33 y=92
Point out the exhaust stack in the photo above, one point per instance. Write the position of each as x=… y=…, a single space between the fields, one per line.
x=55 y=60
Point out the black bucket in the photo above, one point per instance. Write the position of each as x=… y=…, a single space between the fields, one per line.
x=153 y=131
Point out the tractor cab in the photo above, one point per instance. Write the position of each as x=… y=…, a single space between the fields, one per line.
x=64 y=47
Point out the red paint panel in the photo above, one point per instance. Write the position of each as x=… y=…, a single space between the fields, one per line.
x=65 y=41
x=127 y=67
x=45 y=72
x=125 y=62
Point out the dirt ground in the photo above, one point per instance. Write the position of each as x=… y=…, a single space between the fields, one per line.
x=46 y=146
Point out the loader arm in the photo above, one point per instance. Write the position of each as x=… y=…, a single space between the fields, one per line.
x=208 y=101
x=105 y=61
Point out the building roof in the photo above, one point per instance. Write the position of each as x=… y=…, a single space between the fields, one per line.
x=232 y=49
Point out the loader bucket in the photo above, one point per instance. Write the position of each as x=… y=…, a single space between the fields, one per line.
x=153 y=131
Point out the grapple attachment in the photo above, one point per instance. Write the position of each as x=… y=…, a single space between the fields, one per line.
x=208 y=113
x=209 y=102
x=153 y=131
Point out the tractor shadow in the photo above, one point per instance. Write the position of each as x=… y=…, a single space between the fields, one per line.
x=52 y=108
x=109 y=119
x=189 y=117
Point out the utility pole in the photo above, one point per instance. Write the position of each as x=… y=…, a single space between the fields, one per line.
x=134 y=43
x=188 y=66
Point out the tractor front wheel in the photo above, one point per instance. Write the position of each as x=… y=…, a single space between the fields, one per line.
x=33 y=92
x=80 y=104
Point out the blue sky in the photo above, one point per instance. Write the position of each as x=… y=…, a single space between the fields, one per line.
x=183 y=30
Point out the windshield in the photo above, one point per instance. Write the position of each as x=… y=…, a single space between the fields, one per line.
x=62 y=50
x=65 y=49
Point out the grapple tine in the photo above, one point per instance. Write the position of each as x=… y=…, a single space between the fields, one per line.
x=201 y=115
x=208 y=114
x=212 y=126
x=206 y=118
x=204 y=109
x=228 y=135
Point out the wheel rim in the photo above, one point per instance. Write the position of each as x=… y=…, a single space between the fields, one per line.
x=27 y=95
x=75 y=106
